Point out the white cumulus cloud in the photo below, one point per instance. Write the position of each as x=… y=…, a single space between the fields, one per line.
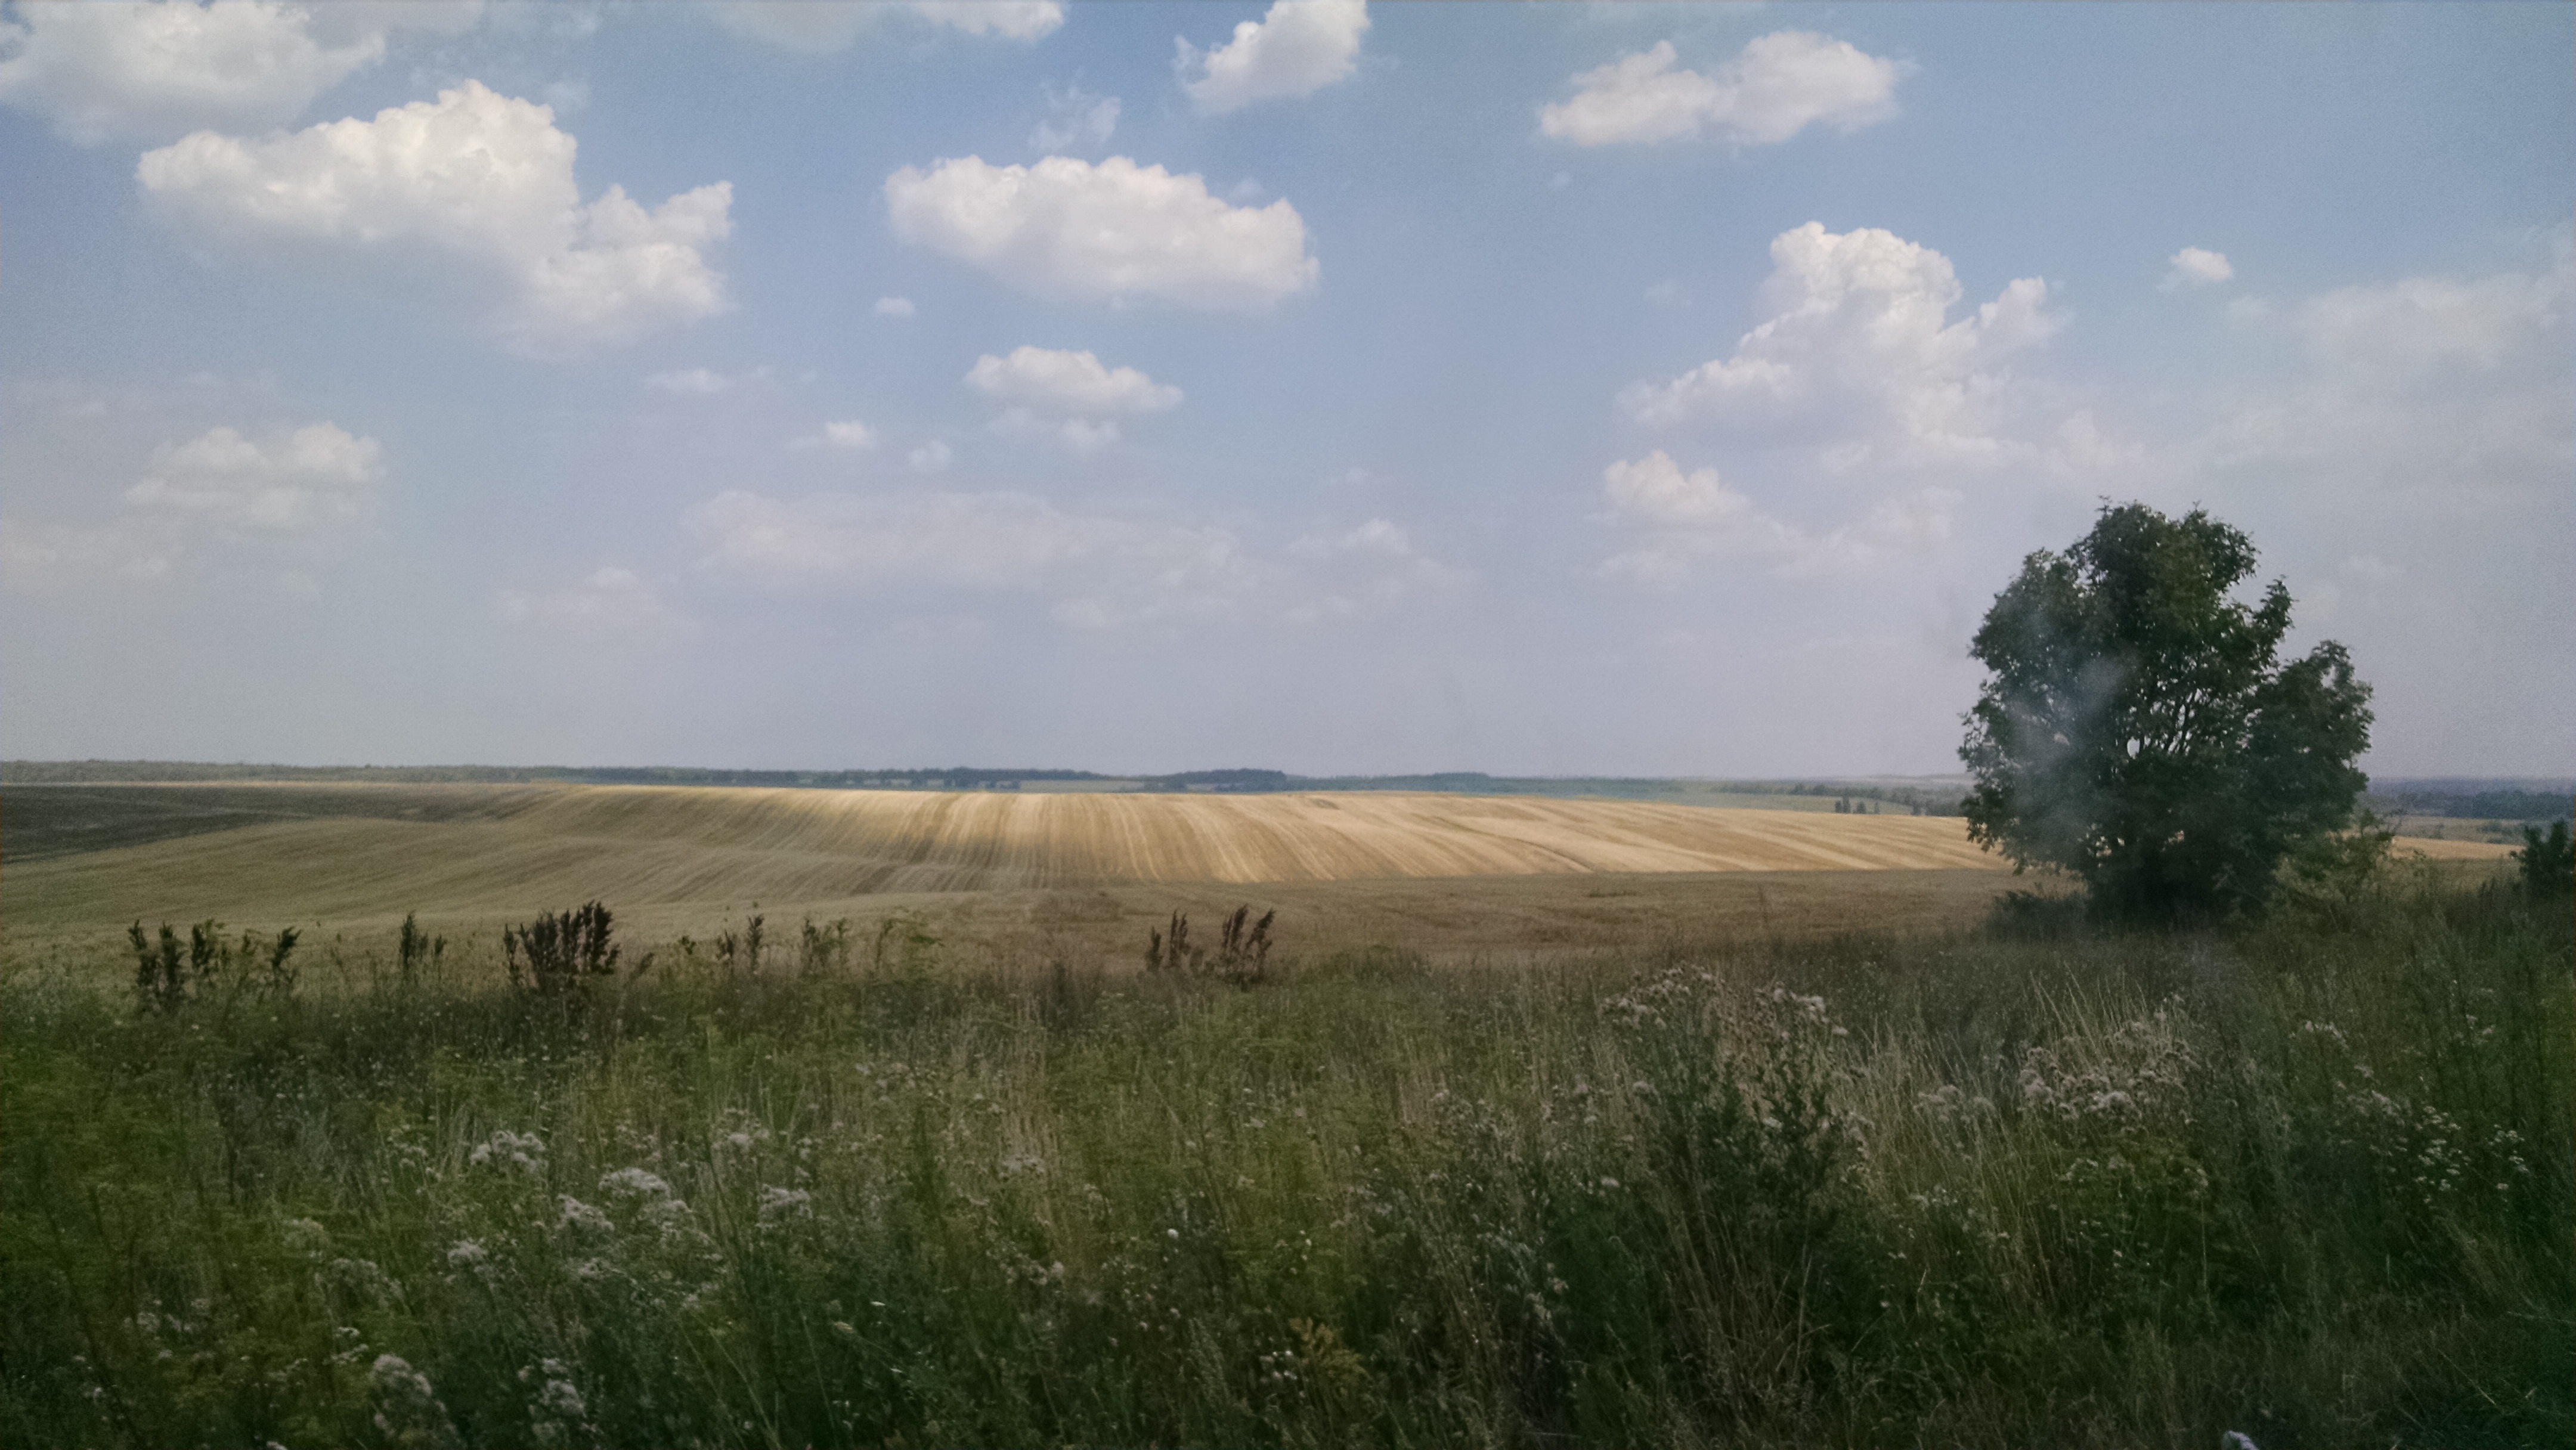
x=1070 y=383
x=895 y=307
x=2197 y=267
x=849 y=436
x=823 y=27
x=1295 y=49
x=471 y=194
x=1781 y=84
x=1111 y=232
x=1678 y=520
x=148 y=72
x=1655 y=490
x=1091 y=570
x=1859 y=353
x=1009 y=19
x=2432 y=388
x=313 y=478
x=1067 y=396
x=286 y=495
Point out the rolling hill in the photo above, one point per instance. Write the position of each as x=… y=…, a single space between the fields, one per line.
x=106 y=855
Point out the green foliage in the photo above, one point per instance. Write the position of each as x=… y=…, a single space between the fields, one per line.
x=2548 y=862
x=2140 y=731
x=561 y=950
x=416 y=950
x=2339 y=869
x=2305 y=1179
x=165 y=983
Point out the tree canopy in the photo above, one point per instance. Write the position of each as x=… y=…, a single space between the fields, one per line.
x=2139 y=730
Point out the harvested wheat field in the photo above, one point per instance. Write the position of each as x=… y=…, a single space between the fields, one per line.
x=1516 y=868
x=457 y=852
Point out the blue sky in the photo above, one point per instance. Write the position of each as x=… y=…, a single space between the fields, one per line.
x=1535 y=389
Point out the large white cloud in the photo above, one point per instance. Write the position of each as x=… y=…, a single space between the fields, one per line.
x=1677 y=520
x=821 y=27
x=1296 y=48
x=2457 y=389
x=1781 y=84
x=1859 y=354
x=315 y=477
x=147 y=72
x=1111 y=231
x=470 y=196
x=304 y=491
x=2410 y=476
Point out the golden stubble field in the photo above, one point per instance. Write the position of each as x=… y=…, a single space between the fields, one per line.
x=1058 y=874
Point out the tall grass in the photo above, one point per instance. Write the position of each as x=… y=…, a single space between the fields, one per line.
x=2311 y=1182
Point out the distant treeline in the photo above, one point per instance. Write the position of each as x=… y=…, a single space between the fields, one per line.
x=2480 y=800
x=1932 y=799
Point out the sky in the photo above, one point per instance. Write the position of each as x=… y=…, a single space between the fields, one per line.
x=1338 y=388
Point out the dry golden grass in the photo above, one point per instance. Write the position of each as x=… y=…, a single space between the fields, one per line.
x=2440 y=848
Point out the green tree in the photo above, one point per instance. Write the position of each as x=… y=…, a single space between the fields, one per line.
x=2548 y=862
x=2139 y=731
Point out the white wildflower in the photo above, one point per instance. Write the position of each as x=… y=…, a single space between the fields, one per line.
x=579 y=1215
x=407 y=1407
x=562 y=1399
x=635 y=1182
x=518 y=1150
x=780 y=1204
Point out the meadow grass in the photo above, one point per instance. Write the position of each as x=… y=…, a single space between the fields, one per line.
x=2310 y=1181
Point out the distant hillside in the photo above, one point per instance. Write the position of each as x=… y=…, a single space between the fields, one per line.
x=2524 y=798
x=306 y=852
x=1928 y=796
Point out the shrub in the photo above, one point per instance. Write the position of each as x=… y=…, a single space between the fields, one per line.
x=562 y=950
x=1242 y=954
x=163 y=982
x=417 y=949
